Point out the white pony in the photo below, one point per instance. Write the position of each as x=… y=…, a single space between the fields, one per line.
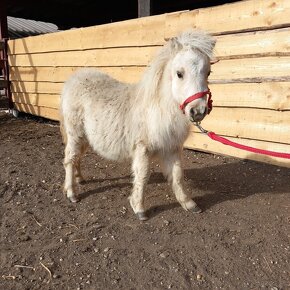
x=138 y=121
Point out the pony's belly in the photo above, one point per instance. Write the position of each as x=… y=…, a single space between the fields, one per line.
x=115 y=155
x=108 y=145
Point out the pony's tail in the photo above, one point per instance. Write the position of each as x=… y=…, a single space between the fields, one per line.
x=62 y=128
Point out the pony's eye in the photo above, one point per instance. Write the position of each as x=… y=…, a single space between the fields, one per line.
x=179 y=74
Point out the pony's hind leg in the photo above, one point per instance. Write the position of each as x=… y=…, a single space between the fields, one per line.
x=78 y=173
x=71 y=159
x=172 y=169
x=140 y=167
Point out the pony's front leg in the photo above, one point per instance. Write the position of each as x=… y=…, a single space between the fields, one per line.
x=140 y=167
x=172 y=169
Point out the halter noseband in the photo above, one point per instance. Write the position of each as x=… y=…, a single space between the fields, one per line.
x=198 y=96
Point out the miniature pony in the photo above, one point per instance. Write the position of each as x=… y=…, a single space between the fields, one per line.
x=139 y=121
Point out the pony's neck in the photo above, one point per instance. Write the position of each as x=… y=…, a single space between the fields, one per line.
x=155 y=85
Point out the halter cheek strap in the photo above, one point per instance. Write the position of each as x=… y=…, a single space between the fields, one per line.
x=198 y=96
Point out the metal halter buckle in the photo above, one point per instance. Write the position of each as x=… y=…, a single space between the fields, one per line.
x=197 y=124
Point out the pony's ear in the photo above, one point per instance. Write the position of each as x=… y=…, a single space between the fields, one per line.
x=213 y=61
x=175 y=44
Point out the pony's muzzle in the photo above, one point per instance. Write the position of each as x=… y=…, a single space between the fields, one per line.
x=197 y=115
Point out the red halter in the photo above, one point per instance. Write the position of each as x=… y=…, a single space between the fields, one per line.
x=198 y=96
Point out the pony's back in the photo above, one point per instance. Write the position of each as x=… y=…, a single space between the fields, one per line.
x=97 y=108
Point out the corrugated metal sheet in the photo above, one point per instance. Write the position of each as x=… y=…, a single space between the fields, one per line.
x=19 y=27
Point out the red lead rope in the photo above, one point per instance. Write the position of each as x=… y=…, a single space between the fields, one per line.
x=225 y=141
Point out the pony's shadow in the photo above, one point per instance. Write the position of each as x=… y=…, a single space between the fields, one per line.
x=158 y=209
x=234 y=181
x=211 y=185
x=154 y=178
x=105 y=188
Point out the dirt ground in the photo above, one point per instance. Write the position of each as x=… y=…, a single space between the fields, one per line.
x=239 y=241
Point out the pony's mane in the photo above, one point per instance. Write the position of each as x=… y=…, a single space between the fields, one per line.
x=193 y=39
x=197 y=39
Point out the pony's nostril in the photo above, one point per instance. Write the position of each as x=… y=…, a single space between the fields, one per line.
x=198 y=117
x=192 y=112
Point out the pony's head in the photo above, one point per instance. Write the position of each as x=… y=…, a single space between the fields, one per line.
x=190 y=67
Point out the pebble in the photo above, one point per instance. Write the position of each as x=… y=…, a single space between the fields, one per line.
x=199 y=277
x=25 y=238
x=164 y=255
x=166 y=222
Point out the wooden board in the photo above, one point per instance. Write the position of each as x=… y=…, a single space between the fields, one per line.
x=40 y=74
x=49 y=113
x=271 y=43
x=98 y=57
x=144 y=31
x=36 y=87
x=40 y=100
x=239 y=16
x=271 y=95
x=60 y=74
x=233 y=70
x=230 y=18
x=124 y=74
x=203 y=143
x=258 y=124
x=251 y=70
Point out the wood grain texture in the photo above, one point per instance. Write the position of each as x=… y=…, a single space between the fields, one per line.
x=270 y=95
x=40 y=100
x=247 y=68
x=259 y=43
x=231 y=18
x=135 y=32
x=49 y=113
x=250 y=84
x=98 y=57
x=257 y=124
x=257 y=69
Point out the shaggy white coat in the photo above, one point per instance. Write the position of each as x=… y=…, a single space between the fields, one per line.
x=138 y=121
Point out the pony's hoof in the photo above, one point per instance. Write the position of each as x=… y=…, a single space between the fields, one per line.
x=73 y=199
x=80 y=180
x=196 y=209
x=142 y=216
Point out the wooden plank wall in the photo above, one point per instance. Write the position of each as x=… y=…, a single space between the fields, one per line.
x=250 y=83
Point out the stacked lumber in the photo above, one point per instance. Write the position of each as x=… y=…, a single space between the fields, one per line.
x=250 y=84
